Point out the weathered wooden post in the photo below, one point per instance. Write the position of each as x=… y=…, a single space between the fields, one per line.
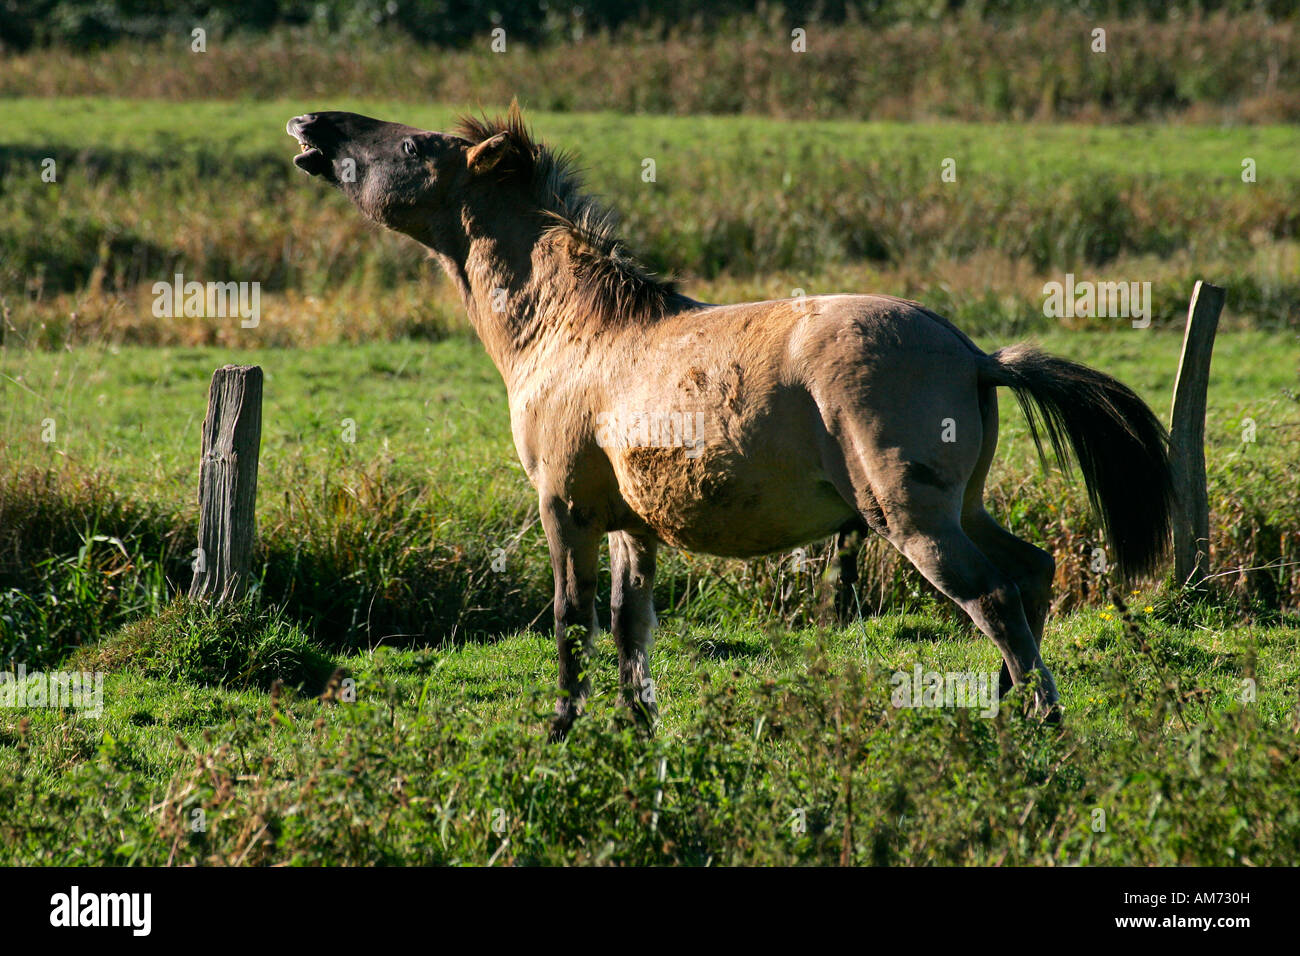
x=1187 y=438
x=232 y=435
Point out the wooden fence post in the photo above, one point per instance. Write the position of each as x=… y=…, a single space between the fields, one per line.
x=1187 y=438
x=232 y=435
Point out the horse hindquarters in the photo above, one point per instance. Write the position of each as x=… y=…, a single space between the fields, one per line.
x=908 y=461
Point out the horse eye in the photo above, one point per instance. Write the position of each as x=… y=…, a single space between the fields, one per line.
x=408 y=146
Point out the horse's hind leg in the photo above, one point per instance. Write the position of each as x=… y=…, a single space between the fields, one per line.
x=848 y=544
x=910 y=482
x=1030 y=567
x=990 y=597
x=632 y=567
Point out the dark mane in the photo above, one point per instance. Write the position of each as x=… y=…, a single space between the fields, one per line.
x=611 y=282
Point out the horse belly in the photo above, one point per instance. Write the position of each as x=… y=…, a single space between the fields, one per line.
x=721 y=502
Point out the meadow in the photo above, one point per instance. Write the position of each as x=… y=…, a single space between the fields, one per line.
x=740 y=207
x=382 y=696
x=1175 y=61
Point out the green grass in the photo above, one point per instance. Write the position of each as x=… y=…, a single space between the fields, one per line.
x=438 y=756
x=374 y=559
x=741 y=207
x=978 y=63
x=246 y=130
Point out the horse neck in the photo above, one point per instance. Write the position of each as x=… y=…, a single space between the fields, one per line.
x=513 y=289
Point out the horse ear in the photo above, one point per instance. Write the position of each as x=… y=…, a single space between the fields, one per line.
x=488 y=153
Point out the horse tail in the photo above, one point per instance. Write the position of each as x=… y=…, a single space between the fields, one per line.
x=1120 y=445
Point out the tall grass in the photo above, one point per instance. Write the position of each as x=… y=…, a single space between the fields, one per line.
x=739 y=204
x=1239 y=67
x=793 y=754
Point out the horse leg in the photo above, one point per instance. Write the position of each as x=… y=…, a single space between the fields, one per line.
x=632 y=619
x=911 y=483
x=991 y=598
x=573 y=562
x=848 y=542
x=1030 y=567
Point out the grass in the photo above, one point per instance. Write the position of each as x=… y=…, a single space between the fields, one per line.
x=741 y=207
x=778 y=747
x=978 y=64
x=381 y=698
x=185 y=643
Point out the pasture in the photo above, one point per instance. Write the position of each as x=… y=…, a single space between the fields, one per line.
x=409 y=560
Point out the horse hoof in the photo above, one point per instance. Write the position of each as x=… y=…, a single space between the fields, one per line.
x=561 y=724
x=646 y=722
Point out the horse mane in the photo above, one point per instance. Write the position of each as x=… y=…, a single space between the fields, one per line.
x=610 y=282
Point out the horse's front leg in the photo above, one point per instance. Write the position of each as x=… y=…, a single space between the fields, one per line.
x=632 y=619
x=574 y=563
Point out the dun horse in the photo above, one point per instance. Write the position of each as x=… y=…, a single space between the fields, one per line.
x=736 y=430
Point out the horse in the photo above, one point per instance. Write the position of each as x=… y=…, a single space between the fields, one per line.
x=648 y=418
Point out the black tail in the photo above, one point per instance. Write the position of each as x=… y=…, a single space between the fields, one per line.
x=1121 y=447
